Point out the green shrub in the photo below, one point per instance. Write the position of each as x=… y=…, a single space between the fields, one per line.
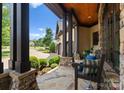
x=52 y=47
x=34 y=62
x=54 y=59
x=43 y=63
x=53 y=65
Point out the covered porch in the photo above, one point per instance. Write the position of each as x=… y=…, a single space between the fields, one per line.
x=83 y=27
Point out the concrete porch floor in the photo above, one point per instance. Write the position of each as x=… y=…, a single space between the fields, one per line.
x=61 y=78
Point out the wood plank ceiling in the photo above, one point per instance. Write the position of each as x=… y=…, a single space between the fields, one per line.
x=87 y=14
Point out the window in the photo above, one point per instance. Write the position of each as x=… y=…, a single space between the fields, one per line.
x=95 y=38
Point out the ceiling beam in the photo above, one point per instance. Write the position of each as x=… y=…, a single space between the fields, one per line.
x=98 y=5
x=75 y=16
x=56 y=8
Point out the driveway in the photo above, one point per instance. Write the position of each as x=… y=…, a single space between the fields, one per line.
x=39 y=54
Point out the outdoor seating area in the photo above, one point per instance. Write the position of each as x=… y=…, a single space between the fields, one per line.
x=90 y=70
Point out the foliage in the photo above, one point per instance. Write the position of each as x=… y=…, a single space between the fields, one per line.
x=41 y=49
x=43 y=62
x=34 y=62
x=38 y=63
x=85 y=53
x=38 y=42
x=53 y=65
x=5 y=53
x=5 y=47
x=54 y=59
x=52 y=47
x=48 y=37
x=5 y=25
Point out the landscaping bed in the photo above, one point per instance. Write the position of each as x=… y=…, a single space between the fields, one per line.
x=44 y=65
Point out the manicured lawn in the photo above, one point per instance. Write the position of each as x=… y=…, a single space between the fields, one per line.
x=43 y=49
x=5 y=53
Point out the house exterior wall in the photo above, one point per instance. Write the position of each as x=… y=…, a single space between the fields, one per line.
x=84 y=39
x=60 y=44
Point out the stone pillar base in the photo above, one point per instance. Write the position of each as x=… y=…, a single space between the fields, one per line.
x=11 y=64
x=1 y=67
x=65 y=61
x=5 y=80
x=24 y=81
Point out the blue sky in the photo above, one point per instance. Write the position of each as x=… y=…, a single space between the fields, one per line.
x=40 y=18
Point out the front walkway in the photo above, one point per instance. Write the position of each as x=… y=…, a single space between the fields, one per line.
x=61 y=78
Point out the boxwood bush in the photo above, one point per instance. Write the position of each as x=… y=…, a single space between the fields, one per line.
x=34 y=62
x=54 y=59
x=53 y=65
x=43 y=63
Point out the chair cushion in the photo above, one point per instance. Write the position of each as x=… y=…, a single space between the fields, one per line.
x=91 y=57
x=91 y=70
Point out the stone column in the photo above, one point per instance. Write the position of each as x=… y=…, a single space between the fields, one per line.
x=23 y=78
x=22 y=64
x=121 y=46
x=13 y=54
x=64 y=36
x=1 y=64
x=77 y=39
x=70 y=33
x=101 y=25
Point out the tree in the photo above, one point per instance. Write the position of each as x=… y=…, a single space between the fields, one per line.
x=5 y=25
x=40 y=42
x=52 y=47
x=37 y=42
x=48 y=37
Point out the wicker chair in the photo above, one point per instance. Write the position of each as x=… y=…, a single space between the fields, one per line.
x=90 y=71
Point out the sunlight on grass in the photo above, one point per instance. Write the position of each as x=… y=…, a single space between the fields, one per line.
x=5 y=53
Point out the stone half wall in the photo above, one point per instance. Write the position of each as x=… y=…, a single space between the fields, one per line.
x=12 y=80
x=5 y=81
x=24 y=81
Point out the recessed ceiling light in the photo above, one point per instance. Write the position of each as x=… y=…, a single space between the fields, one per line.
x=89 y=17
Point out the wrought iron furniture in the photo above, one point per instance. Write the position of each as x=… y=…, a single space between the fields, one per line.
x=90 y=71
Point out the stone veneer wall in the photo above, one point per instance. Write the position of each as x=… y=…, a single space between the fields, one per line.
x=108 y=82
x=24 y=81
x=121 y=46
x=100 y=25
x=18 y=81
x=65 y=61
x=5 y=80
